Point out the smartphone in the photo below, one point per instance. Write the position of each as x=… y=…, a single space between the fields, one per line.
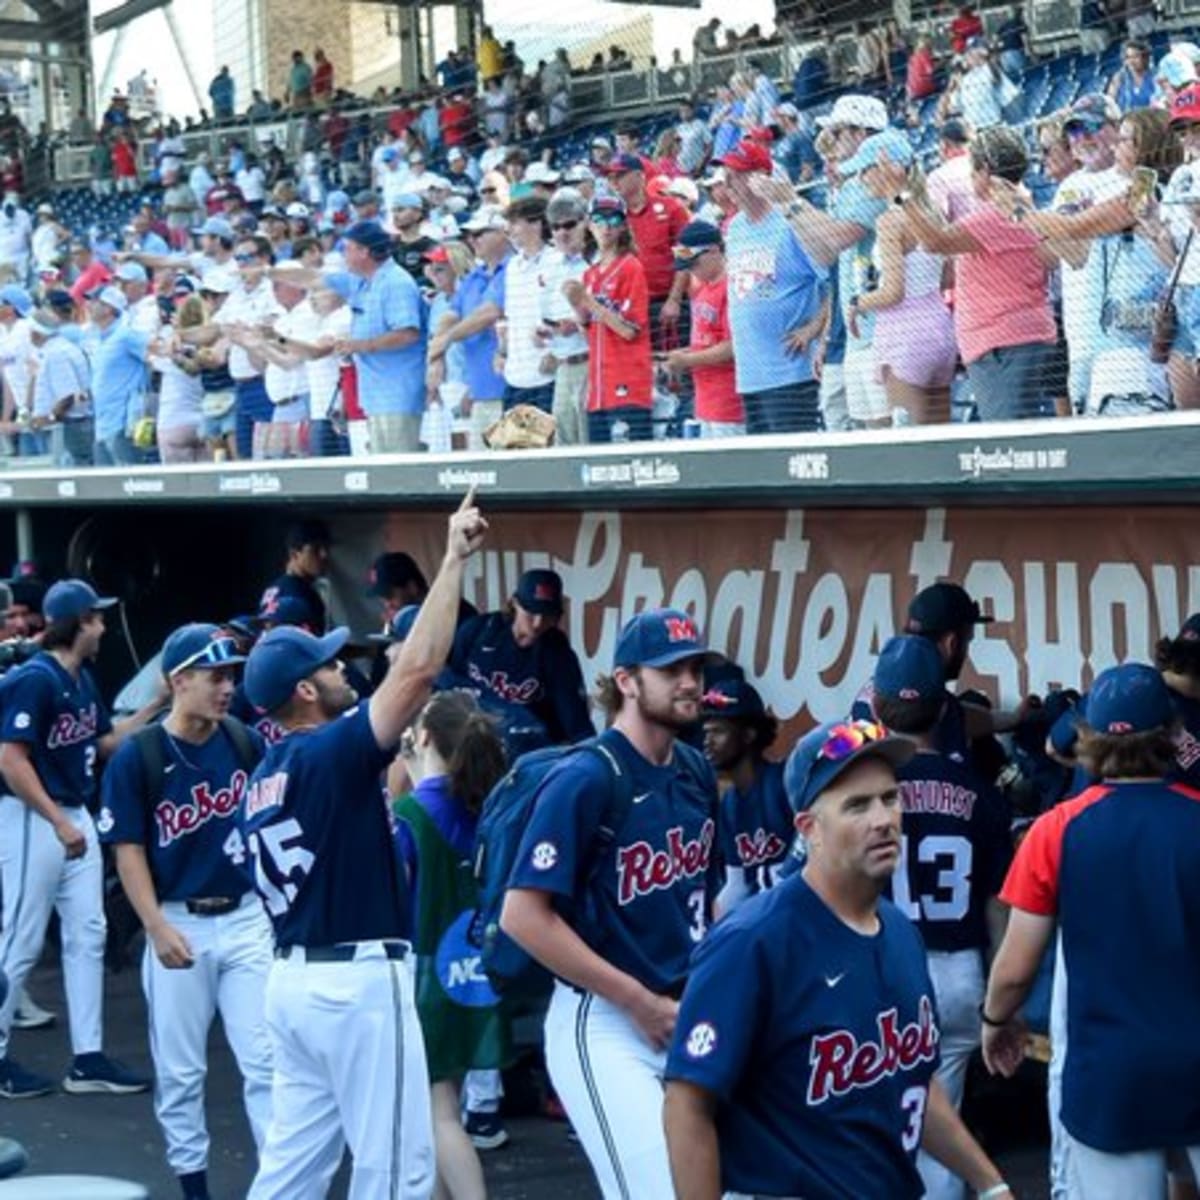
x=1141 y=190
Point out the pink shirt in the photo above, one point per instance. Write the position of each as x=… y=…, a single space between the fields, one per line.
x=1000 y=292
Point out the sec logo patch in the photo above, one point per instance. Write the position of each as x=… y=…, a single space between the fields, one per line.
x=105 y=822
x=702 y=1041
x=22 y=720
x=545 y=855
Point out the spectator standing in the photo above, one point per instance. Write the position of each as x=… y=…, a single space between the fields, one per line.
x=179 y=206
x=979 y=94
x=181 y=392
x=387 y=338
x=920 y=79
x=774 y=295
x=300 y=82
x=251 y=181
x=709 y=358
x=91 y=271
x=490 y=56
x=16 y=356
x=412 y=233
x=62 y=393
x=222 y=92
x=612 y=300
x=124 y=161
x=655 y=223
x=695 y=141
x=725 y=121
x=100 y=166
x=563 y=338
x=322 y=81
x=1012 y=38
x=1002 y=315
x=1093 y=27
x=950 y=189
x=81 y=131
x=16 y=237
x=793 y=150
x=811 y=83
x=965 y=26
x=1132 y=84
x=120 y=378
x=143 y=313
x=286 y=377
x=48 y=235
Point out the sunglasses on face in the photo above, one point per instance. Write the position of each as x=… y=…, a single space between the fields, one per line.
x=847 y=739
x=218 y=652
x=564 y=225
x=245 y=258
x=487 y=191
x=608 y=219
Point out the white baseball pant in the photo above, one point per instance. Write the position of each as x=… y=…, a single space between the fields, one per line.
x=37 y=878
x=233 y=954
x=1060 y=1141
x=958 y=984
x=349 y=1069
x=610 y=1081
x=1140 y=1175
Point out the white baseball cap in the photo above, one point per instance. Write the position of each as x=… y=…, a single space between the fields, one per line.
x=540 y=172
x=865 y=112
x=488 y=217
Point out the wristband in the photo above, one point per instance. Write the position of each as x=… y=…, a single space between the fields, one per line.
x=988 y=1021
x=997 y=1189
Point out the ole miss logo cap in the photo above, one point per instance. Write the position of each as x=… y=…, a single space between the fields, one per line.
x=909 y=668
x=659 y=637
x=540 y=592
x=1131 y=698
x=733 y=699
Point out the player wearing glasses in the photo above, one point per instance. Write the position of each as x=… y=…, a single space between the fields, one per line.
x=814 y=1075
x=170 y=804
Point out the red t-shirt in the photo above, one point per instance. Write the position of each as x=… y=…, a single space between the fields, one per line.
x=400 y=120
x=921 y=82
x=323 y=79
x=655 y=231
x=124 y=160
x=717 y=396
x=962 y=29
x=455 y=121
x=94 y=275
x=619 y=372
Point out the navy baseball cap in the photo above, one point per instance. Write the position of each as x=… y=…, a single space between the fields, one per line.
x=27 y=591
x=392 y=570
x=1191 y=629
x=371 y=236
x=282 y=658
x=659 y=637
x=540 y=592
x=696 y=237
x=399 y=627
x=620 y=163
x=289 y=610
x=732 y=700
x=70 y=598
x=829 y=751
x=910 y=668
x=197 y=646
x=1131 y=698
x=942 y=608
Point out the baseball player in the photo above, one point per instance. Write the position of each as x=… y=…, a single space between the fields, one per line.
x=955 y=848
x=182 y=863
x=349 y=1060
x=522 y=667
x=641 y=900
x=812 y=1075
x=754 y=822
x=53 y=727
x=1119 y=866
x=307 y=544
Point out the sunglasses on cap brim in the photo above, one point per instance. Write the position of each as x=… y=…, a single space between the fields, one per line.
x=218 y=653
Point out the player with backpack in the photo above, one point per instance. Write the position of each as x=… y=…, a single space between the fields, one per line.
x=611 y=888
x=170 y=799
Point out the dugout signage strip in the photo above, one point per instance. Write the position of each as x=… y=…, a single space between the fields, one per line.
x=1063 y=461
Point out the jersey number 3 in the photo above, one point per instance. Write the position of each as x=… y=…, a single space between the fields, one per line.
x=281 y=863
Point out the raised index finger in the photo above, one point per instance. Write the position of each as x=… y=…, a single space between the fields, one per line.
x=468 y=501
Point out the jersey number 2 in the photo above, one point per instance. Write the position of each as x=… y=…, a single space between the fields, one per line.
x=280 y=863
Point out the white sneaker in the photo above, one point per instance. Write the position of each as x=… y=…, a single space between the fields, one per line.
x=28 y=1015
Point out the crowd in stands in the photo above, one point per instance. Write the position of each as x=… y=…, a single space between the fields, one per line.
x=738 y=266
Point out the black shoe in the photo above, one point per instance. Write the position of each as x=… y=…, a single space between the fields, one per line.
x=485 y=1130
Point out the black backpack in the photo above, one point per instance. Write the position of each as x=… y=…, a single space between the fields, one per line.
x=152 y=749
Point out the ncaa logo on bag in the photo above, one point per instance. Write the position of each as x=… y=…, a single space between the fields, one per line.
x=459 y=966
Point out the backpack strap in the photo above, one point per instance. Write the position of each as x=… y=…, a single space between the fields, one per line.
x=243 y=744
x=152 y=751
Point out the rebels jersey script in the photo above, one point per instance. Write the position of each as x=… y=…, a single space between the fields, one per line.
x=755 y=830
x=954 y=851
x=819 y=1043
x=644 y=900
x=60 y=719
x=317 y=829
x=1120 y=867
x=189 y=829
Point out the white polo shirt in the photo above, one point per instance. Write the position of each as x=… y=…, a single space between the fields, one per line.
x=526 y=282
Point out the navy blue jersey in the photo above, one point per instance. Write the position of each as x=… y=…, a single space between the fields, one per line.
x=1119 y=865
x=544 y=677
x=954 y=852
x=60 y=719
x=266 y=727
x=190 y=828
x=317 y=828
x=950 y=733
x=644 y=900
x=819 y=1043
x=755 y=831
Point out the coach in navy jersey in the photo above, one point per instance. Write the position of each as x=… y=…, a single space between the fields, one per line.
x=182 y=863
x=807 y=1039
x=519 y=659
x=54 y=728
x=955 y=848
x=755 y=821
x=349 y=1059
x=1119 y=867
x=616 y=919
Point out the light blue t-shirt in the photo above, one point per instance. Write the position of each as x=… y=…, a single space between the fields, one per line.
x=855 y=203
x=774 y=287
x=119 y=377
x=389 y=381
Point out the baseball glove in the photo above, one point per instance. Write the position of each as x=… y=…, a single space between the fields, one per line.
x=521 y=428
